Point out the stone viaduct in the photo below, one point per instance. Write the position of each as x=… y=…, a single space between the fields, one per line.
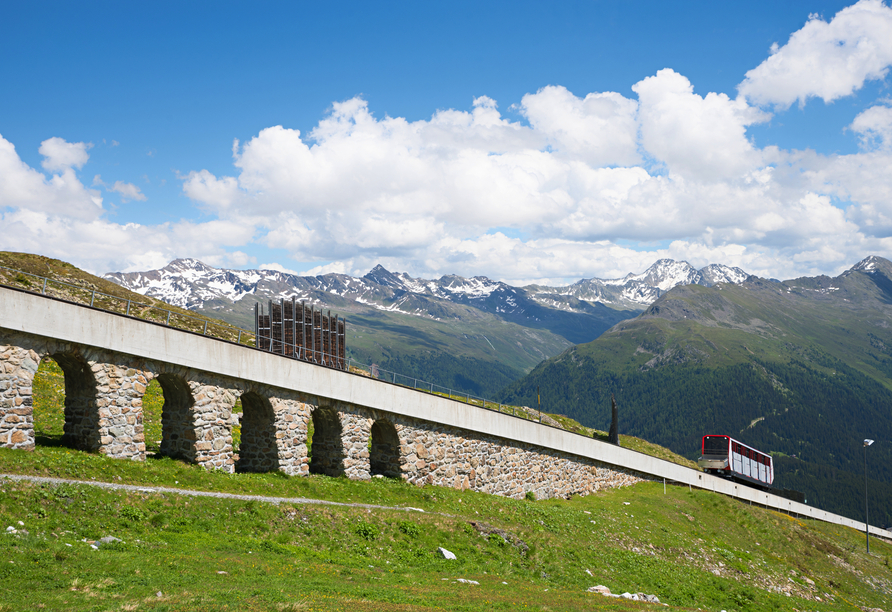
x=362 y=427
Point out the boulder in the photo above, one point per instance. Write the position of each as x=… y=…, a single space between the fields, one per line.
x=445 y=553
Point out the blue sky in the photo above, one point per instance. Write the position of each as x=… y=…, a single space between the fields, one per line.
x=523 y=141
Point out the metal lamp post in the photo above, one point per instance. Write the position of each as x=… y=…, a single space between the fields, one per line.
x=866 y=516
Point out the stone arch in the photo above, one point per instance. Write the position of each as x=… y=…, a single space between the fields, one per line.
x=177 y=421
x=327 y=447
x=258 y=451
x=384 y=450
x=82 y=418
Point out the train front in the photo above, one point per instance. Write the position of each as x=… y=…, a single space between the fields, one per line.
x=715 y=453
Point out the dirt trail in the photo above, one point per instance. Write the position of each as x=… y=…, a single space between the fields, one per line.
x=194 y=493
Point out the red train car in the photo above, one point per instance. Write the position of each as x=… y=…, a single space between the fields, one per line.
x=725 y=456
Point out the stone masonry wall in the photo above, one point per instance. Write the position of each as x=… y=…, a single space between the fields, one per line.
x=119 y=390
x=292 y=417
x=18 y=363
x=430 y=453
x=434 y=454
x=104 y=414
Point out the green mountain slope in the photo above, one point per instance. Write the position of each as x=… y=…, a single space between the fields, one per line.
x=801 y=368
x=477 y=354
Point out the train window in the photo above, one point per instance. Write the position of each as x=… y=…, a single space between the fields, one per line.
x=715 y=445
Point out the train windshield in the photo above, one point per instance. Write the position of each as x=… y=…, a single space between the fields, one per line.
x=715 y=445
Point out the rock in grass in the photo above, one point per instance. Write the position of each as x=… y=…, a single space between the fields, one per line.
x=650 y=598
x=446 y=554
x=603 y=590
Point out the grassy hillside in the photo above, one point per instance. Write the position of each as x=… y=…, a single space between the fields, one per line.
x=692 y=549
x=76 y=285
x=800 y=369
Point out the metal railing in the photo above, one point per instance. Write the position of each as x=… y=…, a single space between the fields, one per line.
x=90 y=296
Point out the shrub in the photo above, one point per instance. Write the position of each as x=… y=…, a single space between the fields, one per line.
x=409 y=528
x=133 y=514
x=64 y=491
x=530 y=496
x=272 y=547
x=366 y=531
x=496 y=539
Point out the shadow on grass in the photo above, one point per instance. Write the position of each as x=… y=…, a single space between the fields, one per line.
x=55 y=440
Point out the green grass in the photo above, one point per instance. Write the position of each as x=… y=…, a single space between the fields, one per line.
x=693 y=549
x=330 y=558
x=48 y=387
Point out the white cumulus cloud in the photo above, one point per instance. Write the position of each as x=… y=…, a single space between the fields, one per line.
x=874 y=125
x=128 y=191
x=827 y=60
x=24 y=187
x=600 y=129
x=446 y=194
x=60 y=155
x=699 y=137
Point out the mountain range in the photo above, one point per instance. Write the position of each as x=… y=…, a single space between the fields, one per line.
x=800 y=368
x=189 y=283
x=473 y=334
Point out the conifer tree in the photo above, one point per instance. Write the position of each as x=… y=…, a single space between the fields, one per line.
x=613 y=437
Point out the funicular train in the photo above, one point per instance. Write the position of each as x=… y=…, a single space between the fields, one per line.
x=725 y=456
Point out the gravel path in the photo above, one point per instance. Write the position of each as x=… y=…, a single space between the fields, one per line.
x=194 y=493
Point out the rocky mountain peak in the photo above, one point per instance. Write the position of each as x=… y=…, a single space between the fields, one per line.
x=718 y=273
x=381 y=275
x=188 y=263
x=668 y=273
x=872 y=263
